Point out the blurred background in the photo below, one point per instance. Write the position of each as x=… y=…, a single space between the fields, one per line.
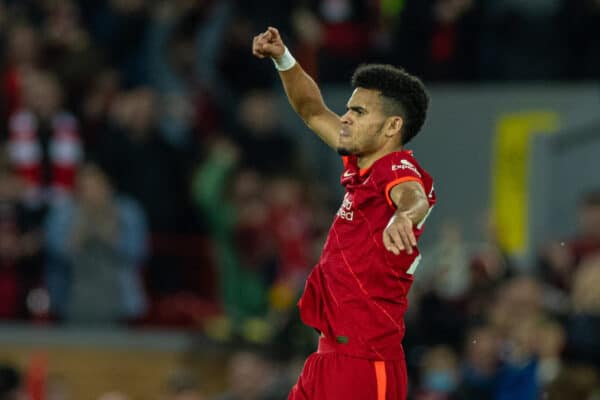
x=161 y=205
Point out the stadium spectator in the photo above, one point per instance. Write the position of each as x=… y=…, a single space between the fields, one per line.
x=346 y=28
x=181 y=48
x=20 y=245
x=440 y=376
x=96 y=106
x=44 y=142
x=518 y=373
x=96 y=244
x=292 y=222
x=439 y=38
x=583 y=326
x=142 y=164
x=258 y=131
x=522 y=40
x=116 y=29
x=577 y=382
x=551 y=340
x=237 y=213
x=22 y=53
x=560 y=260
x=69 y=53
x=481 y=361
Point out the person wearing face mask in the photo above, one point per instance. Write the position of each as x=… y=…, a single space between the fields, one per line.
x=439 y=375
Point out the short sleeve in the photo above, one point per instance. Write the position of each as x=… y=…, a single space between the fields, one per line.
x=397 y=170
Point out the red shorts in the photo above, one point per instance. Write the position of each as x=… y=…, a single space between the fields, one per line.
x=330 y=375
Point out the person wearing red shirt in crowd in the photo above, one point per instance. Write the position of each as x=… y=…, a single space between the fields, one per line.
x=356 y=295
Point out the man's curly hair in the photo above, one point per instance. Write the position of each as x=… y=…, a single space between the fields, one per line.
x=402 y=93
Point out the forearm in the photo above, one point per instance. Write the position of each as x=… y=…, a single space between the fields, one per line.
x=413 y=204
x=302 y=92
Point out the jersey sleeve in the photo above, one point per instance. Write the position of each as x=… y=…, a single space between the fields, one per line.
x=395 y=171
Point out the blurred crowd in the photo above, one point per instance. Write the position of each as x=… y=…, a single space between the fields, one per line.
x=146 y=180
x=482 y=327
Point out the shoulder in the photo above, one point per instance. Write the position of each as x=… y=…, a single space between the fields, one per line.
x=396 y=164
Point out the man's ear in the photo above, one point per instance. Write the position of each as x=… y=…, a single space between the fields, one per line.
x=394 y=126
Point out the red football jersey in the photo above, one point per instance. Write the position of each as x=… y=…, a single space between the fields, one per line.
x=357 y=293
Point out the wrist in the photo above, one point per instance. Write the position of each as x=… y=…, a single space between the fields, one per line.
x=284 y=62
x=404 y=214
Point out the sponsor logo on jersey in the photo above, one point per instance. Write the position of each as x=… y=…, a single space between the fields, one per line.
x=405 y=164
x=345 y=211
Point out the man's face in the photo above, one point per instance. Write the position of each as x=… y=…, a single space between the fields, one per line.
x=362 y=124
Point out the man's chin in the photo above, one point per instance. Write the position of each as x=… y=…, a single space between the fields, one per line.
x=343 y=151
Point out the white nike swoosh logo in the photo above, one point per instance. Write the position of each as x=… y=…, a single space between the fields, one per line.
x=348 y=175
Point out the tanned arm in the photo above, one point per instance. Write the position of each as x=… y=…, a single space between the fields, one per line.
x=302 y=92
x=411 y=207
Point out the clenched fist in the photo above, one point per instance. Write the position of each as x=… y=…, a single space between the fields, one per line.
x=268 y=44
x=398 y=235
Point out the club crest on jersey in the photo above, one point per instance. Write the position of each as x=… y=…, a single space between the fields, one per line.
x=404 y=164
x=345 y=211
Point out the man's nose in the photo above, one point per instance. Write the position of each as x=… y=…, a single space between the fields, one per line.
x=345 y=119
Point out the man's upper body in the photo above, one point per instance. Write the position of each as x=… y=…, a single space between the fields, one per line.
x=357 y=293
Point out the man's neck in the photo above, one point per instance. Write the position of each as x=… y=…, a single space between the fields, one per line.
x=366 y=161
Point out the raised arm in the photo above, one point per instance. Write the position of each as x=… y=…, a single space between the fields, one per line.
x=302 y=91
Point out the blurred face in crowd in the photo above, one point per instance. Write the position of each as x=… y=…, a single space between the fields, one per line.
x=585 y=295
x=104 y=90
x=93 y=187
x=522 y=339
x=42 y=94
x=550 y=340
x=482 y=349
x=257 y=113
x=589 y=220
x=523 y=296
x=363 y=125
x=63 y=26
x=143 y=108
x=247 y=186
x=440 y=370
x=284 y=191
x=23 y=45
